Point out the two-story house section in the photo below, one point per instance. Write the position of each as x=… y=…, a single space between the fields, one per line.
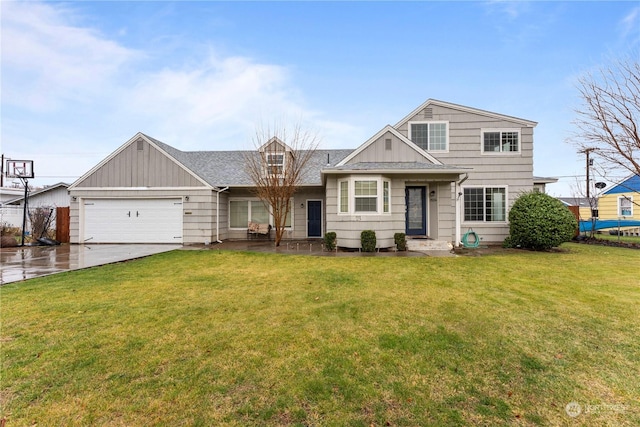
x=440 y=171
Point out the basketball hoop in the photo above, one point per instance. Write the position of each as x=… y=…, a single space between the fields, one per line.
x=19 y=169
x=22 y=169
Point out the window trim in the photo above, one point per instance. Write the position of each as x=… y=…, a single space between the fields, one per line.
x=484 y=204
x=429 y=122
x=351 y=198
x=630 y=200
x=270 y=164
x=256 y=199
x=501 y=131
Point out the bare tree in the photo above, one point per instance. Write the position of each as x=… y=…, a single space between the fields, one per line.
x=277 y=168
x=609 y=120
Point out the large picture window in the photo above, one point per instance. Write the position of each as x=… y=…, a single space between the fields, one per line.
x=430 y=136
x=500 y=141
x=485 y=204
x=243 y=211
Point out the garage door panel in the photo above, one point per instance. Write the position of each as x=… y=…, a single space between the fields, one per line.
x=133 y=221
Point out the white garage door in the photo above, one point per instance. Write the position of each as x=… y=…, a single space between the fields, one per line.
x=132 y=220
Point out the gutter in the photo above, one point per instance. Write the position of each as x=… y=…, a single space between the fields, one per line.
x=458 y=195
x=218 y=191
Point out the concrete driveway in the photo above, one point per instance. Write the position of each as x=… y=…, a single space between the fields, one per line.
x=34 y=261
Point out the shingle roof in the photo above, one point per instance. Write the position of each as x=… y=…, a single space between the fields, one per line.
x=408 y=166
x=226 y=168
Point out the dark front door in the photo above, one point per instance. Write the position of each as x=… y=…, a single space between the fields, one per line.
x=416 y=216
x=314 y=218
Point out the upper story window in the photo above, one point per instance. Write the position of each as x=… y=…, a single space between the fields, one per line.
x=430 y=136
x=625 y=206
x=275 y=164
x=500 y=141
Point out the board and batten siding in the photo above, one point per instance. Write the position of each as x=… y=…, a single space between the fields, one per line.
x=140 y=165
x=377 y=151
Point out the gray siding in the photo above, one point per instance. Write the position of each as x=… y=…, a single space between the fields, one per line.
x=298 y=211
x=198 y=212
x=147 y=167
x=514 y=171
x=377 y=151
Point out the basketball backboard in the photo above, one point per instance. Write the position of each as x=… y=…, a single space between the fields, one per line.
x=19 y=169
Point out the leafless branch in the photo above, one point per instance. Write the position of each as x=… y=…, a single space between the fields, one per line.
x=277 y=167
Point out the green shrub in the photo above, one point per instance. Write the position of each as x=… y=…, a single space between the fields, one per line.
x=401 y=241
x=368 y=241
x=540 y=222
x=330 y=240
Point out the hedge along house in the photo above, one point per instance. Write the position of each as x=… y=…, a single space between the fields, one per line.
x=441 y=170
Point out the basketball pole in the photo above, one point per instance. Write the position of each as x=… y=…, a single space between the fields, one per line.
x=24 y=212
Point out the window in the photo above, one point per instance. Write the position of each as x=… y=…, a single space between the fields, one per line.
x=243 y=211
x=363 y=196
x=430 y=136
x=385 y=196
x=259 y=212
x=625 y=206
x=366 y=196
x=485 y=204
x=238 y=213
x=344 y=197
x=275 y=164
x=501 y=141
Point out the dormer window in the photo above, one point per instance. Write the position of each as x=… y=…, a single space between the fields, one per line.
x=275 y=164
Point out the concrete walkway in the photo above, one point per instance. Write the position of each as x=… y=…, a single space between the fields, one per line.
x=27 y=262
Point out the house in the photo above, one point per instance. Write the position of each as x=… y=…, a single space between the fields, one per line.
x=621 y=201
x=581 y=206
x=540 y=183
x=441 y=170
x=56 y=195
x=52 y=196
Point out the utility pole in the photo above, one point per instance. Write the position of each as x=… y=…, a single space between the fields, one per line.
x=587 y=151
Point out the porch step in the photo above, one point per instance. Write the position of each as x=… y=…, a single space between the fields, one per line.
x=424 y=244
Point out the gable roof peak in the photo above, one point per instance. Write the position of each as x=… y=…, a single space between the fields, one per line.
x=431 y=102
x=394 y=131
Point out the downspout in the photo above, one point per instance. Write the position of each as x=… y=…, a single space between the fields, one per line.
x=458 y=195
x=218 y=191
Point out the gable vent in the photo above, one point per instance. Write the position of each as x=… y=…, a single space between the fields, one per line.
x=428 y=113
x=140 y=144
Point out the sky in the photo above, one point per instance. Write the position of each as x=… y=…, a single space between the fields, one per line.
x=80 y=78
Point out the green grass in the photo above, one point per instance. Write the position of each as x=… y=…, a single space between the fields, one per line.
x=624 y=239
x=201 y=338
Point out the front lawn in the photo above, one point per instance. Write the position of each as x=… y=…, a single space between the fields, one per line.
x=228 y=338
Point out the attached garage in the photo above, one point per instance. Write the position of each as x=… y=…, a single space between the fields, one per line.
x=132 y=220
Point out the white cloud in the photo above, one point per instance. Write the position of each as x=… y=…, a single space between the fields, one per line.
x=48 y=60
x=630 y=25
x=67 y=88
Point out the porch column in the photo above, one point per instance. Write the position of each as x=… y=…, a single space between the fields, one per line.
x=457 y=195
